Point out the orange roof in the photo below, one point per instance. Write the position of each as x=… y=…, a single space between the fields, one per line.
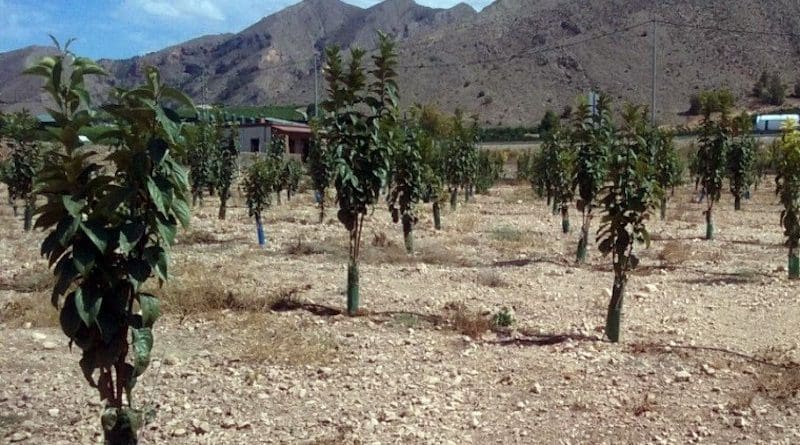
x=292 y=129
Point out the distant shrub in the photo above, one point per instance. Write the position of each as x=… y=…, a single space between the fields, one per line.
x=771 y=89
x=712 y=101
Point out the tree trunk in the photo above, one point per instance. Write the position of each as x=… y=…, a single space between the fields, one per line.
x=453 y=199
x=122 y=432
x=564 y=219
x=614 y=316
x=223 y=204
x=352 y=288
x=709 y=225
x=278 y=192
x=555 y=206
x=408 y=233
x=30 y=203
x=737 y=202
x=466 y=194
x=437 y=216
x=794 y=264
x=663 y=208
x=262 y=240
x=580 y=255
x=288 y=195
x=13 y=204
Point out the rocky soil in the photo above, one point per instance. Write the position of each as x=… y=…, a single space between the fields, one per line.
x=708 y=353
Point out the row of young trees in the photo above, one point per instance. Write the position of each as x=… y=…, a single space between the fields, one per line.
x=368 y=152
x=23 y=161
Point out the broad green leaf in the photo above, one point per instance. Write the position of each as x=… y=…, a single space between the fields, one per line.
x=142 y=345
x=181 y=209
x=151 y=309
x=138 y=271
x=97 y=233
x=129 y=236
x=68 y=317
x=156 y=195
x=157 y=258
x=88 y=304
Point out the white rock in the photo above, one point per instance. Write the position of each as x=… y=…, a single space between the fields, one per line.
x=740 y=422
x=19 y=436
x=537 y=388
x=53 y=412
x=179 y=432
x=683 y=376
x=49 y=345
x=38 y=336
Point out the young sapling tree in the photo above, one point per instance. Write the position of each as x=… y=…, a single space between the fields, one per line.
x=788 y=190
x=354 y=115
x=27 y=156
x=711 y=161
x=667 y=166
x=406 y=187
x=110 y=221
x=627 y=201
x=227 y=166
x=741 y=159
x=257 y=186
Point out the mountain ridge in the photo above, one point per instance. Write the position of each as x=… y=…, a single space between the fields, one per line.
x=507 y=63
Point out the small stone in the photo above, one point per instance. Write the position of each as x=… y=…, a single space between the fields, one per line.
x=536 y=389
x=683 y=376
x=216 y=410
x=27 y=325
x=740 y=422
x=243 y=425
x=708 y=369
x=53 y=412
x=49 y=345
x=652 y=288
x=228 y=423
x=179 y=432
x=200 y=427
x=19 y=436
x=170 y=360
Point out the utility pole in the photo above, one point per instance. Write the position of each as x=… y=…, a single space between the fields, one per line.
x=316 y=85
x=655 y=51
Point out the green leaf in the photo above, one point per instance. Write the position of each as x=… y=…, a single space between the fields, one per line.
x=142 y=345
x=72 y=206
x=157 y=258
x=83 y=255
x=151 y=309
x=156 y=195
x=138 y=272
x=130 y=234
x=87 y=367
x=181 y=209
x=97 y=233
x=88 y=304
x=68 y=318
x=158 y=150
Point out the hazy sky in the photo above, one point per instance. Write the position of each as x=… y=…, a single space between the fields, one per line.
x=124 y=28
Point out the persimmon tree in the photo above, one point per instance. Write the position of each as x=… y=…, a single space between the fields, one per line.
x=430 y=129
x=741 y=159
x=712 y=151
x=27 y=156
x=293 y=174
x=461 y=155
x=201 y=146
x=320 y=166
x=226 y=166
x=110 y=220
x=788 y=190
x=627 y=201
x=406 y=187
x=592 y=135
x=560 y=156
x=667 y=166
x=355 y=112
x=258 y=185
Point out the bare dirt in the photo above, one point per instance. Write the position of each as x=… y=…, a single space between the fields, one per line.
x=709 y=350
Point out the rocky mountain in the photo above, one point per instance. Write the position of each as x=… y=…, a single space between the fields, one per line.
x=507 y=63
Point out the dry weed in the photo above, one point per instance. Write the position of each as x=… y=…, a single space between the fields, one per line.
x=465 y=321
x=491 y=278
x=33 y=309
x=273 y=340
x=675 y=253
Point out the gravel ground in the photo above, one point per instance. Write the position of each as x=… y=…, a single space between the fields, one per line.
x=707 y=356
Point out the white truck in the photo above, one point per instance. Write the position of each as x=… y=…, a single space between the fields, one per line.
x=771 y=123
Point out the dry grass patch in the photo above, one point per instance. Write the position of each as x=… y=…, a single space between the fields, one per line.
x=675 y=253
x=28 y=280
x=275 y=340
x=466 y=321
x=491 y=278
x=33 y=309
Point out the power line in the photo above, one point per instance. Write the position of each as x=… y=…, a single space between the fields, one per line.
x=729 y=30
